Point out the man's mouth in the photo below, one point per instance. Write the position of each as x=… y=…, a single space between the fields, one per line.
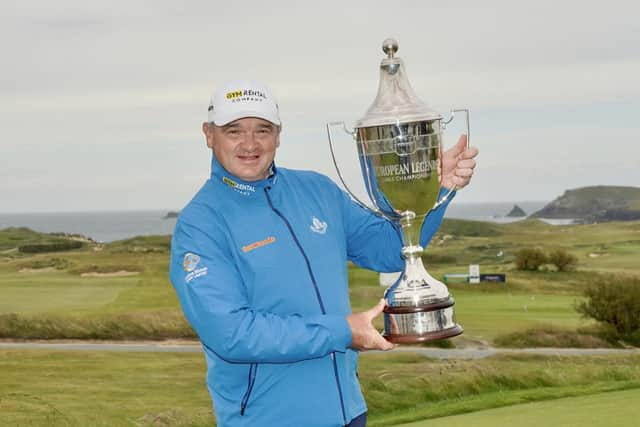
x=249 y=158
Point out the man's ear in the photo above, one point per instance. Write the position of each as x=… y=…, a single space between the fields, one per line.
x=207 y=129
x=278 y=136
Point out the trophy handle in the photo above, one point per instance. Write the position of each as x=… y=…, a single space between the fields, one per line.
x=444 y=124
x=335 y=163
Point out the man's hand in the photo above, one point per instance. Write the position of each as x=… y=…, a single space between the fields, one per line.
x=364 y=335
x=458 y=164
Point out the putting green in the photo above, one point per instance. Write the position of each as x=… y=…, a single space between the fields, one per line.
x=618 y=409
x=490 y=314
x=58 y=292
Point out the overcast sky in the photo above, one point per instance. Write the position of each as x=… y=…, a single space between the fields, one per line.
x=101 y=103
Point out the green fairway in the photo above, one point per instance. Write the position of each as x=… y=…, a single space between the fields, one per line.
x=613 y=409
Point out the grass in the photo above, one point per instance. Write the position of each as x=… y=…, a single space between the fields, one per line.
x=614 y=408
x=416 y=389
x=63 y=388
x=51 y=299
x=553 y=336
x=487 y=316
x=130 y=326
x=53 y=291
x=57 y=292
x=51 y=388
x=13 y=237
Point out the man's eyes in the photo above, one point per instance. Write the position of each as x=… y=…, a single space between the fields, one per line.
x=238 y=132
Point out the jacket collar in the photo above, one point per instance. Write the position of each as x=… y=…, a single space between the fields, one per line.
x=245 y=188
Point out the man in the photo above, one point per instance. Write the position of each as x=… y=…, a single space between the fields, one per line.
x=259 y=262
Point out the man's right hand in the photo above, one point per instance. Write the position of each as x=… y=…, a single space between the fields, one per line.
x=364 y=335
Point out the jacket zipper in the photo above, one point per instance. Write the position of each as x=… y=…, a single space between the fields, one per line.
x=253 y=368
x=315 y=287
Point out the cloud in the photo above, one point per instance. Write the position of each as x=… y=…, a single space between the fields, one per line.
x=108 y=90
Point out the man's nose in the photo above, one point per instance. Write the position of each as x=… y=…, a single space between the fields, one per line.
x=249 y=141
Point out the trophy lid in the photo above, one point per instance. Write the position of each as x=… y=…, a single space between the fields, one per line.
x=396 y=101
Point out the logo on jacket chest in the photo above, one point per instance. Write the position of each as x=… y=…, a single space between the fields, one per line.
x=318 y=226
x=255 y=245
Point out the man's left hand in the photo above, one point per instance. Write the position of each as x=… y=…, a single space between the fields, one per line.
x=458 y=164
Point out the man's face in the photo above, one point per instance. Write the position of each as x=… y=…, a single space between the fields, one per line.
x=245 y=147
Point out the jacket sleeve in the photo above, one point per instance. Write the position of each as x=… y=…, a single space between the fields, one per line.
x=375 y=242
x=214 y=300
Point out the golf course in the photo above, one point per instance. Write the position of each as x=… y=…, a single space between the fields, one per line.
x=61 y=288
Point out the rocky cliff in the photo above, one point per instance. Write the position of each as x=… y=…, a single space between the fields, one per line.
x=516 y=212
x=595 y=204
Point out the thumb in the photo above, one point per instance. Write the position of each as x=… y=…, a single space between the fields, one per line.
x=374 y=311
x=460 y=146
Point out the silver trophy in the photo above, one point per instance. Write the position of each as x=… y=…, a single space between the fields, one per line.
x=399 y=148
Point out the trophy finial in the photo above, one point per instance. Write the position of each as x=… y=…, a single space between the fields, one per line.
x=390 y=47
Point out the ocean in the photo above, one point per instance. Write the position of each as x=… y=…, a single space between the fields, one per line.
x=117 y=225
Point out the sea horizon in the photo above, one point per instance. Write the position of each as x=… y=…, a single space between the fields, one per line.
x=110 y=225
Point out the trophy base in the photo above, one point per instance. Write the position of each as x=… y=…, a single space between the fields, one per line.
x=427 y=337
x=411 y=325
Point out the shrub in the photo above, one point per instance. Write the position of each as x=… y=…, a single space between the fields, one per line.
x=615 y=301
x=563 y=260
x=530 y=259
x=62 y=245
x=57 y=263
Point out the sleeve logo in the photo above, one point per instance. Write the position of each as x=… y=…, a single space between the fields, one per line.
x=190 y=262
x=190 y=265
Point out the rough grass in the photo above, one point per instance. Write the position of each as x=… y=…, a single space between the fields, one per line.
x=403 y=389
x=106 y=268
x=56 y=388
x=552 y=336
x=45 y=262
x=130 y=326
x=118 y=389
x=466 y=228
x=141 y=244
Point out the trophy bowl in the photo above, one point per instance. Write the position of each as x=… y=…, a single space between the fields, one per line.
x=399 y=143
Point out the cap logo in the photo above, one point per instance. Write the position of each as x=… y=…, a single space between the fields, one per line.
x=245 y=95
x=243 y=98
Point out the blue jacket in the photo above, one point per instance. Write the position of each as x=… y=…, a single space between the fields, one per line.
x=260 y=269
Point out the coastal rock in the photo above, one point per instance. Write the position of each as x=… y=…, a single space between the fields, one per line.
x=516 y=212
x=171 y=214
x=595 y=204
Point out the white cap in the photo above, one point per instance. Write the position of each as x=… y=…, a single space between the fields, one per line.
x=243 y=98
